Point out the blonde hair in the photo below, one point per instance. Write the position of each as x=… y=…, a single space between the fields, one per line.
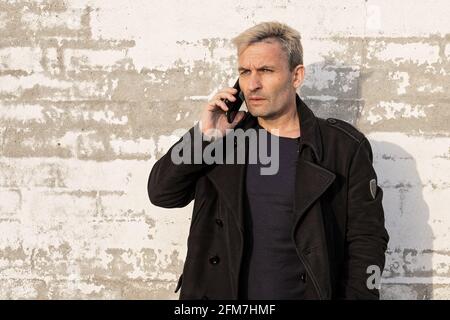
x=288 y=37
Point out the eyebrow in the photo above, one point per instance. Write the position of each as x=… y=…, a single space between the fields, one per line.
x=263 y=67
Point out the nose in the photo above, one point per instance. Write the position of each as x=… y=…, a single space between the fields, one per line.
x=254 y=82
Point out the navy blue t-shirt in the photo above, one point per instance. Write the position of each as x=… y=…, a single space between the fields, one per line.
x=271 y=268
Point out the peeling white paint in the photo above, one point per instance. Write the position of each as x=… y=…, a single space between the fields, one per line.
x=197 y=98
x=3 y=17
x=393 y=110
x=22 y=112
x=373 y=118
x=70 y=19
x=418 y=53
x=100 y=59
x=21 y=58
x=109 y=117
x=165 y=142
x=403 y=78
x=430 y=88
x=136 y=146
x=13 y=84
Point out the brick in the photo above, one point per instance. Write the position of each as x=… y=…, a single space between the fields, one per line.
x=73 y=115
x=416 y=53
x=117 y=175
x=17 y=289
x=10 y=202
x=133 y=149
x=17 y=173
x=413 y=85
x=20 y=59
x=152 y=290
x=40 y=87
x=3 y=19
x=52 y=61
x=332 y=81
x=51 y=208
x=23 y=113
x=40 y=139
x=395 y=21
x=334 y=107
x=129 y=206
x=11 y=231
x=438 y=216
x=441 y=292
x=336 y=51
x=412 y=118
x=84 y=289
x=126 y=122
x=111 y=289
x=393 y=110
x=70 y=19
x=407 y=291
x=406 y=262
x=88 y=59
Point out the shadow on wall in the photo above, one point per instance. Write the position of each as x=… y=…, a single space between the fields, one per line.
x=334 y=90
x=408 y=271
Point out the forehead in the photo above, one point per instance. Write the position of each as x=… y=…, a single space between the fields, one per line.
x=262 y=53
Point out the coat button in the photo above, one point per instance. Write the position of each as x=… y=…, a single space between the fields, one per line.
x=331 y=120
x=214 y=260
x=219 y=222
x=303 y=277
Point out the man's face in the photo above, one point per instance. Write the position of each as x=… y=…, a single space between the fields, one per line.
x=265 y=79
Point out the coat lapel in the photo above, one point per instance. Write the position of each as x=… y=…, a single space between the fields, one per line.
x=311 y=182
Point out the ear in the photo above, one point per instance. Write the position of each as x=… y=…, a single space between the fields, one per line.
x=298 y=76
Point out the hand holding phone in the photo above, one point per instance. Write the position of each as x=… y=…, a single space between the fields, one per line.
x=222 y=112
x=234 y=106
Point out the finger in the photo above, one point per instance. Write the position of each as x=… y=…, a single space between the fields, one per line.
x=228 y=90
x=231 y=90
x=225 y=95
x=222 y=105
x=217 y=103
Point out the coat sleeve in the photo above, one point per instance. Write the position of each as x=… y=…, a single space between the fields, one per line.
x=172 y=185
x=366 y=236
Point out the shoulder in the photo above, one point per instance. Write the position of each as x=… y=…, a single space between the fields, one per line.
x=341 y=128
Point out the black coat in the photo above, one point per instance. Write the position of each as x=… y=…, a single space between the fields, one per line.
x=339 y=223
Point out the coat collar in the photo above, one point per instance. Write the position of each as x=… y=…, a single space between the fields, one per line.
x=310 y=130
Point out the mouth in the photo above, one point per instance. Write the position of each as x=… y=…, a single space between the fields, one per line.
x=256 y=99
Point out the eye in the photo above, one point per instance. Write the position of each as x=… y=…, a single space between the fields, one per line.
x=244 y=72
x=267 y=70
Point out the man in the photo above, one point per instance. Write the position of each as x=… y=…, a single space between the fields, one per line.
x=313 y=230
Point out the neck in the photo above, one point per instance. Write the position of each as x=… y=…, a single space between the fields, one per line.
x=287 y=123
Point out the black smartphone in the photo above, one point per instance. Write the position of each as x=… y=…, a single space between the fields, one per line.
x=234 y=106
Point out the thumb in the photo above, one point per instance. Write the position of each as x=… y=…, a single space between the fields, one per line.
x=239 y=116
